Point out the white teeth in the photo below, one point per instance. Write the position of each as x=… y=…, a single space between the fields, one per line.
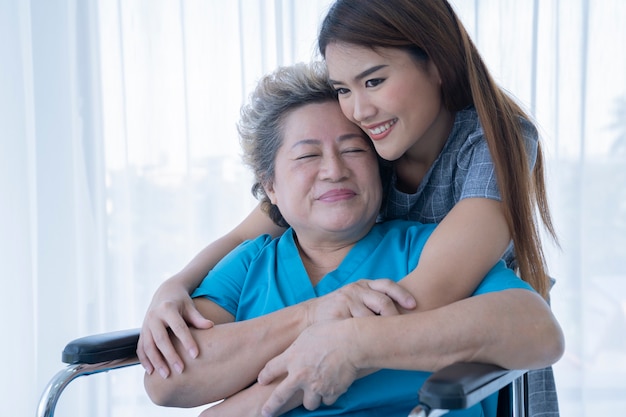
x=380 y=129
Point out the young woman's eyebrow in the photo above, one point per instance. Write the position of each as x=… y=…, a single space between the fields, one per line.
x=361 y=75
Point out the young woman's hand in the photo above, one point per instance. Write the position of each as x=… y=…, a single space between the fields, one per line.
x=362 y=298
x=171 y=309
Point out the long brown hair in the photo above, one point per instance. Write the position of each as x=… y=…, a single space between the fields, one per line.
x=430 y=29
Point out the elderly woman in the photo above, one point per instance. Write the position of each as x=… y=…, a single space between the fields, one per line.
x=299 y=298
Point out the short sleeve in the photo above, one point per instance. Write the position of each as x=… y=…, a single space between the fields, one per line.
x=475 y=157
x=223 y=284
x=501 y=278
x=480 y=179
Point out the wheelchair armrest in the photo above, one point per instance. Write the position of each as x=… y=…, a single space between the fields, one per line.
x=86 y=356
x=462 y=385
x=102 y=347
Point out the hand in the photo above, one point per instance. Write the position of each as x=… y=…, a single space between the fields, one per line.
x=360 y=299
x=320 y=364
x=248 y=402
x=172 y=308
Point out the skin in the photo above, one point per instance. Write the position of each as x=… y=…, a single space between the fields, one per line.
x=217 y=372
x=326 y=358
x=311 y=353
x=375 y=87
x=328 y=188
x=388 y=87
x=387 y=90
x=326 y=185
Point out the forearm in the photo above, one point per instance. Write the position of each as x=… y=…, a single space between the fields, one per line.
x=231 y=356
x=459 y=253
x=514 y=329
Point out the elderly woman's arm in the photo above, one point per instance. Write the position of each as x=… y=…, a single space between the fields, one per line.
x=232 y=354
x=512 y=328
x=172 y=308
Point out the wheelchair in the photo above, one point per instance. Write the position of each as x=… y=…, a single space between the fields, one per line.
x=458 y=386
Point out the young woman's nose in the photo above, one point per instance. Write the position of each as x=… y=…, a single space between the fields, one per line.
x=362 y=108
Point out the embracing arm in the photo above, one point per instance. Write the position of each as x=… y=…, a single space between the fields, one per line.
x=232 y=354
x=512 y=328
x=171 y=306
x=461 y=250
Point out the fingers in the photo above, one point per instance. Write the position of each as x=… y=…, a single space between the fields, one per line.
x=161 y=353
x=156 y=351
x=272 y=370
x=377 y=303
x=179 y=326
x=289 y=388
x=283 y=392
x=141 y=355
x=394 y=291
x=195 y=318
x=280 y=396
x=311 y=400
x=149 y=356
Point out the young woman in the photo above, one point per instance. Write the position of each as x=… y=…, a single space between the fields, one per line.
x=296 y=307
x=462 y=154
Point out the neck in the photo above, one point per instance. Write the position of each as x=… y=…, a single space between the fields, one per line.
x=319 y=260
x=417 y=160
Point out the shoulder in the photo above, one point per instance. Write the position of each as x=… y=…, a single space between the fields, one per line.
x=251 y=248
x=467 y=134
x=225 y=282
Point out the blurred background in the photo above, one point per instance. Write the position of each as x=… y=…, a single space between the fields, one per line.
x=119 y=161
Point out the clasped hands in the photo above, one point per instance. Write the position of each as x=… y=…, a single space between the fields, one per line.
x=320 y=364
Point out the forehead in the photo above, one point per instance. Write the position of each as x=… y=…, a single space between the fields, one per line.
x=318 y=121
x=345 y=59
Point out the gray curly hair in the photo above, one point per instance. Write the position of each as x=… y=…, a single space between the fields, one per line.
x=261 y=124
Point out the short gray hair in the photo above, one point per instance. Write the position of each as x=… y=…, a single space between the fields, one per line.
x=261 y=124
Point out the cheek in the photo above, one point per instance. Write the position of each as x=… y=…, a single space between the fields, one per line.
x=347 y=108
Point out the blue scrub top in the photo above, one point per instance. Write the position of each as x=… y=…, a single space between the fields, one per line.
x=264 y=274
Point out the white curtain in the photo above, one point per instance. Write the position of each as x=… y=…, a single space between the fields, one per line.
x=119 y=161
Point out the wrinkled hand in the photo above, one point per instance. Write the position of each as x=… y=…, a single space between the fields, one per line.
x=360 y=299
x=319 y=364
x=247 y=403
x=172 y=308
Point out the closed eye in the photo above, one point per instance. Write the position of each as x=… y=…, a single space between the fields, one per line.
x=306 y=156
x=354 y=150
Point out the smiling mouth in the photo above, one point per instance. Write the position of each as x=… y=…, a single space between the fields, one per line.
x=337 y=195
x=380 y=129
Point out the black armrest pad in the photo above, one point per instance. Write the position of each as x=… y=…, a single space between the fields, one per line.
x=462 y=385
x=102 y=347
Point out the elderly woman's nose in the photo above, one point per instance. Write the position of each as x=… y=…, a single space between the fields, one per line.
x=333 y=167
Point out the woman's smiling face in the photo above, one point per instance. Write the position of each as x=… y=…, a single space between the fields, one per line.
x=394 y=98
x=326 y=183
